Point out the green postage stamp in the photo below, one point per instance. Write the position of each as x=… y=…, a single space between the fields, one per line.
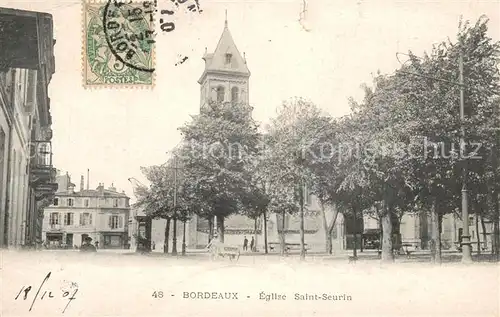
x=118 y=43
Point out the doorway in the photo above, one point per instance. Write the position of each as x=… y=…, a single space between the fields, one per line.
x=69 y=240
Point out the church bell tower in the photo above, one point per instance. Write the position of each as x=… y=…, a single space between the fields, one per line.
x=226 y=75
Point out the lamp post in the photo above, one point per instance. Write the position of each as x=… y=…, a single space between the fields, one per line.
x=174 y=239
x=465 y=243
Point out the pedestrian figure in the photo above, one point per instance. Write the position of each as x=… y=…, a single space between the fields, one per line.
x=87 y=246
x=153 y=246
x=245 y=244
x=97 y=244
x=252 y=245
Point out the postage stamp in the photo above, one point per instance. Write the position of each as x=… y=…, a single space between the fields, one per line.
x=118 y=43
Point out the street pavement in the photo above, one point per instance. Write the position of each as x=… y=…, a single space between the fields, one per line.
x=124 y=284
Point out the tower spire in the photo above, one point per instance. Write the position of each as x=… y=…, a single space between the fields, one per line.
x=225 y=22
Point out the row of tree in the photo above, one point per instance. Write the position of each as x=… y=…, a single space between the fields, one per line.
x=399 y=150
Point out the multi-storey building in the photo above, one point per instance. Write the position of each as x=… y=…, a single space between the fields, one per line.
x=100 y=213
x=27 y=178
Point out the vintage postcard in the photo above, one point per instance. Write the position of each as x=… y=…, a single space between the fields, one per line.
x=249 y=158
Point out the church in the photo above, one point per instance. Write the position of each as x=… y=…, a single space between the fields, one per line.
x=226 y=78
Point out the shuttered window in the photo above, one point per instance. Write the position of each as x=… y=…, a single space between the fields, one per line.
x=85 y=219
x=115 y=222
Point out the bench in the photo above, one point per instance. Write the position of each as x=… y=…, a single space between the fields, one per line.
x=217 y=249
x=397 y=249
x=288 y=246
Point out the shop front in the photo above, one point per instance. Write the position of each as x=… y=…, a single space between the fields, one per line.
x=113 y=240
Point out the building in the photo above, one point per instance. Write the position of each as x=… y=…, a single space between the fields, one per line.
x=27 y=177
x=101 y=214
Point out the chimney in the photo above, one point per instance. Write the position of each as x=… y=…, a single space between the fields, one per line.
x=81 y=183
x=68 y=181
x=71 y=188
x=112 y=187
x=88 y=177
x=100 y=189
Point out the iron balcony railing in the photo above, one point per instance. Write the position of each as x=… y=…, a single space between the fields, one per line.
x=41 y=154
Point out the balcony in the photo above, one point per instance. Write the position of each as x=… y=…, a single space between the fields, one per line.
x=55 y=227
x=27 y=39
x=42 y=173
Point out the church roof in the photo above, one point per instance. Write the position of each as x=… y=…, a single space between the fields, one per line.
x=216 y=62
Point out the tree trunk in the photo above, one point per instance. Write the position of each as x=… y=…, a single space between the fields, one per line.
x=220 y=228
x=254 y=248
x=265 y=231
x=328 y=236
x=435 y=240
x=302 y=238
x=167 y=235
x=210 y=228
x=478 y=236
x=496 y=237
x=485 y=237
x=387 y=255
x=355 y=242
x=183 y=237
x=174 y=238
x=496 y=222
x=361 y=239
x=282 y=234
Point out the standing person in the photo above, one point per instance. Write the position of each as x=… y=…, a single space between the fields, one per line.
x=97 y=244
x=87 y=246
x=252 y=245
x=245 y=244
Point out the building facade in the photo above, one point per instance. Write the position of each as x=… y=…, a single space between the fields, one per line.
x=101 y=214
x=27 y=177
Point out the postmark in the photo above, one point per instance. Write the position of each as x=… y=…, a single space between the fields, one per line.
x=119 y=43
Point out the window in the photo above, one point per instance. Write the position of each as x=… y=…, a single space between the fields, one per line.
x=56 y=201
x=115 y=202
x=228 y=58
x=220 y=94
x=85 y=219
x=234 y=94
x=70 y=202
x=68 y=219
x=86 y=202
x=115 y=222
x=54 y=218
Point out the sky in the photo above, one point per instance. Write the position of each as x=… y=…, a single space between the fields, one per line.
x=338 y=47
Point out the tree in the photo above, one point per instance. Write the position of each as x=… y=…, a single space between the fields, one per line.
x=156 y=200
x=293 y=141
x=432 y=97
x=218 y=146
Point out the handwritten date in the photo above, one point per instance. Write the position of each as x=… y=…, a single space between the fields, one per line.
x=43 y=293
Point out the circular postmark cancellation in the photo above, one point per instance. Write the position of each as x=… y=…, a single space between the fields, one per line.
x=129 y=32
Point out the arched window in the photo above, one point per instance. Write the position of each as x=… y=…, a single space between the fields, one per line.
x=234 y=94
x=220 y=94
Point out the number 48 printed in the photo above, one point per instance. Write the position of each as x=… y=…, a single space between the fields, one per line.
x=157 y=294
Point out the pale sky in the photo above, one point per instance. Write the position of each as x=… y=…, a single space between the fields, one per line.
x=113 y=132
